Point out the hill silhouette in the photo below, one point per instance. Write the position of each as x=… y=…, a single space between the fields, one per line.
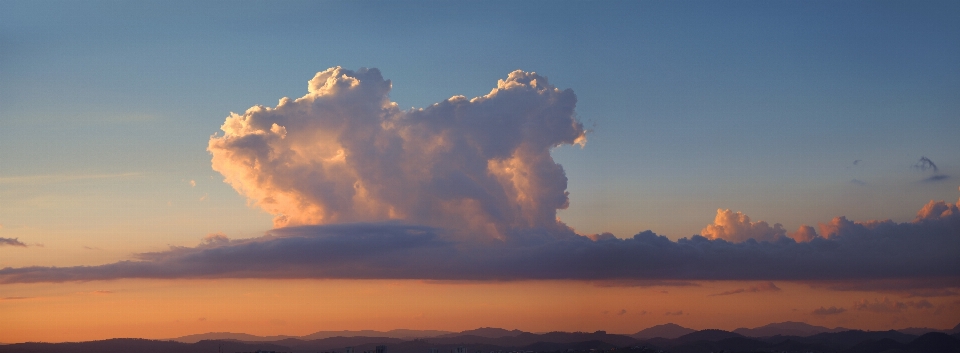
x=711 y=335
x=788 y=328
x=489 y=332
x=670 y=331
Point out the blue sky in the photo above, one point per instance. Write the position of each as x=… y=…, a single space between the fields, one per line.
x=759 y=107
x=792 y=112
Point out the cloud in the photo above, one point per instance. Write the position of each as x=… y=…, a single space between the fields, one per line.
x=12 y=242
x=622 y=312
x=762 y=287
x=16 y=298
x=905 y=287
x=890 y=306
x=736 y=227
x=935 y=178
x=644 y=283
x=871 y=251
x=828 y=311
x=927 y=164
x=858 y=182
x=214 y=239
x=674 y=313
x=345 y=153
x=466 y=190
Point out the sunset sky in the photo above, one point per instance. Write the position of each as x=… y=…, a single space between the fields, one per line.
x=285 y=167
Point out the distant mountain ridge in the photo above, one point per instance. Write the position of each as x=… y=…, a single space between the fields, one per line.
x=489 y=332
x=227 y=336
x=787 y=328
x=669 y=331
x=398 y=334
x=711 y=340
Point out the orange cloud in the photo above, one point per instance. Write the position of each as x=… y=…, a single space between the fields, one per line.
x=762 y=287
x=736 y=227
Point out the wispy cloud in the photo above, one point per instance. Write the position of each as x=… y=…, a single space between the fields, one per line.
x=762 y=287
x=890 y=306
x=926 y=164
x=828 y=311
x=16 y=298
x=12 y=242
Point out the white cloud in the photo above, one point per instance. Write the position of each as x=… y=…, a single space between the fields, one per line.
x=345 y=153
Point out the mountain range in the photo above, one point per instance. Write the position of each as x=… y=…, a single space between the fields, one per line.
x=780 y=337
x=668 y=331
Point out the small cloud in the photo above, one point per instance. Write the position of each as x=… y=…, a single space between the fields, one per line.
x=828 y=311
x=96 y=292
x=214 y=239
x=856 y=162
x=763 y=287
x=91 y=248
x=925 y=164
x=932 y=292
x=193 y=183
x=643 y=312
x=15 y=298
x=674 y=313
x=935 y=178
x=643 y=283
x=601 y=236
x=622 y=312
x=204 y=197
x=202 y=319
x=12 y=242
x=858 y=182
x=890 y=306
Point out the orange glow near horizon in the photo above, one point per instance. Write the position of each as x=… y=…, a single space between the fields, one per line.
x=161 y=309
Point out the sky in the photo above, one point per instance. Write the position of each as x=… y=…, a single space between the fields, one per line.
x=284 y=167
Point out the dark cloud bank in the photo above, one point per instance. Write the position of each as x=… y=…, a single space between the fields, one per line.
x=466 y=189
x=884 y=250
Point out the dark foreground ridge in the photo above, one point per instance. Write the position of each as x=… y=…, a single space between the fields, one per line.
x=492 y=340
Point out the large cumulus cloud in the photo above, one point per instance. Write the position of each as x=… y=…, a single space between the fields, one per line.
x=925 y=249
x=466 y=189
x=345 y=153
